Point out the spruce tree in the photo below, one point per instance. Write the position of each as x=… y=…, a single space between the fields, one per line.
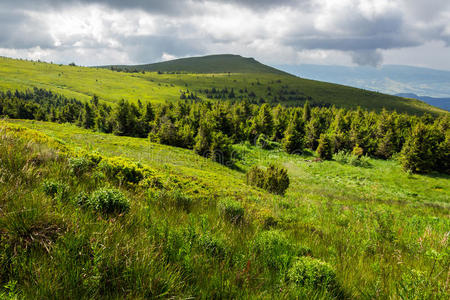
x=294 y=141
x=325 y=148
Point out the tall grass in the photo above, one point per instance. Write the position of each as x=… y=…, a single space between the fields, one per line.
x=178 y=238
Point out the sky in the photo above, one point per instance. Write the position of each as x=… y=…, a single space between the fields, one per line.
x=293 y=32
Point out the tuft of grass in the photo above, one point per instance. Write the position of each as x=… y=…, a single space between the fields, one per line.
x=231 y=210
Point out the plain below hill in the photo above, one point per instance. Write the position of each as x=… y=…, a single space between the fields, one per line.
x=222 y=63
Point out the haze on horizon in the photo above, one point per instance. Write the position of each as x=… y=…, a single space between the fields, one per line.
x=293 y=32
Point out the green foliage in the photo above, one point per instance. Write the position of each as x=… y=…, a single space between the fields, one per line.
x=344 y=157
x=293 y=141
x=357 y=151
x=212 y=245
x=109 y=201
x=124 y=170
x=56 y=190
x=79 y=165
x=273 y=249
x=231 y=210
x=274 y=179
x=420 y=153
x=314 y=273
x=325 y=148
x=372 y=225
x=172 y=198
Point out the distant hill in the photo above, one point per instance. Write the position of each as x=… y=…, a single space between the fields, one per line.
x=390 y=79
x=222 y=63
x=443 y=103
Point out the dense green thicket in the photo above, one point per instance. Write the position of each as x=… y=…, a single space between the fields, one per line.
x=274 y=179
x=210 y=128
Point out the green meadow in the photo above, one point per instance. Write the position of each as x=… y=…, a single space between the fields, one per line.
x=111 y=86
x=198 y=230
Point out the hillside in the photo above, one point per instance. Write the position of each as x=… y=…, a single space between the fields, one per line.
x=82 y=83
x=443 y=103
x=363 y=232
x=224 y=63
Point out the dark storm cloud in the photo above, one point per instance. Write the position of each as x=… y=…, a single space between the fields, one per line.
x=19 y=31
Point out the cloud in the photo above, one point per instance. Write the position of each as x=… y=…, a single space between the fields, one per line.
x=92 y=32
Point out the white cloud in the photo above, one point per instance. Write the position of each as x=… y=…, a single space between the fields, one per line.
x=288 y=31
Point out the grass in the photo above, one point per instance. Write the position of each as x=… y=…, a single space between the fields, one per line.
x=82 y=83
x=377 y=232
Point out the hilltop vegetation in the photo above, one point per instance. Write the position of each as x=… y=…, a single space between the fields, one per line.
x=264 y=87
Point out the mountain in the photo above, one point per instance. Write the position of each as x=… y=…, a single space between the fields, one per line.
x=222 y=63
x=390 y=79
x=443 y=103
x=267 y=85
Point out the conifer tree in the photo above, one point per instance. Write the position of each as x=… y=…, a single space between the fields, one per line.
x=294 y=137
x=325 y=148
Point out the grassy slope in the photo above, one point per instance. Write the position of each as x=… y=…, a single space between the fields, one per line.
x=82 y=83
x=209 y=64
x=345 y=214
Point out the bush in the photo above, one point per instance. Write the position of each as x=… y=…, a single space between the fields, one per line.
x=212 y=245
x=231 y=210
x=81 y=199
x=273 y=249
x=357 y=151
x=274 y=179
x=108 y=201
x=123 y=170
x=350 y=159
x=56 y=190
x=313 y=273
x=265 y=143
x=50 y=188
x=79 y=165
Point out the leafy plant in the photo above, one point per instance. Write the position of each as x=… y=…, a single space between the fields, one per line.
x=313 y=273
x=231 y=210
x=109 y=201
x=274 y=179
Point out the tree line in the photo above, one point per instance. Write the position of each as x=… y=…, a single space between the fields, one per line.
x=211 y=127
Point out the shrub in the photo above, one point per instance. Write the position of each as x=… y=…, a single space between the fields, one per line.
x=274 y=179
x=50 y=188
x=79 y=165
x=350 y=159
x=273 y=249
x=212 y=245
x=265 y=143
x=56 y=190
x=357 y=151
x=255 y=176
x=124 y=170
x=231 y=210
x=81 y=199
x=313 y=273
x=325 y=148
x=108 y=201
